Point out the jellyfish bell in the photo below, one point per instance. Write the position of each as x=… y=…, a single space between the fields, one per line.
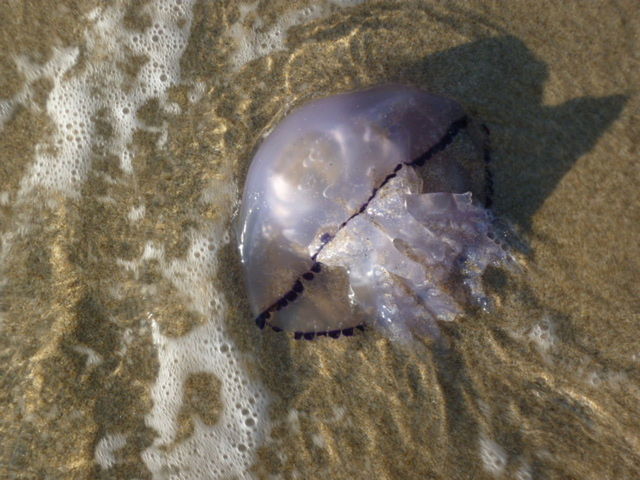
x=368 y=208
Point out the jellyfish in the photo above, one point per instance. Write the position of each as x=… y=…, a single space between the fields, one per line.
x=369 y=208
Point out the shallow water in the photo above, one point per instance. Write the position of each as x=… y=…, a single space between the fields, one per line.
x=127 y=345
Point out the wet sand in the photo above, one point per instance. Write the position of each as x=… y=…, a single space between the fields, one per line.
x=547 y=386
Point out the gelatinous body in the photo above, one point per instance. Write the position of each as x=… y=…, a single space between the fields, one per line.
x=367 y=208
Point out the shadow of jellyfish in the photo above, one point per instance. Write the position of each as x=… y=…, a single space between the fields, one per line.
x=500 y=81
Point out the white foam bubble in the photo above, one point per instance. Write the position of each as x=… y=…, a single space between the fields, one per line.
x=318 y=440
x=197 y=92
x=61 y=60
x=542 y=334
x=92 y=357
x=97 y=84
x=293 y=420
x=347 y=3
x=254 y=41
x=494 y=457
x=106 y=448
x=227 y=448
x=524 y=472
x=86 y=81
x=136 y=213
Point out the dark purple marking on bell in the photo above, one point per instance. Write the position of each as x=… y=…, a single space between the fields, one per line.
x=291 y=296
x=373 y=207
x=488 y=175
x=262 y=319
x=347 y=332
x=443 y=143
